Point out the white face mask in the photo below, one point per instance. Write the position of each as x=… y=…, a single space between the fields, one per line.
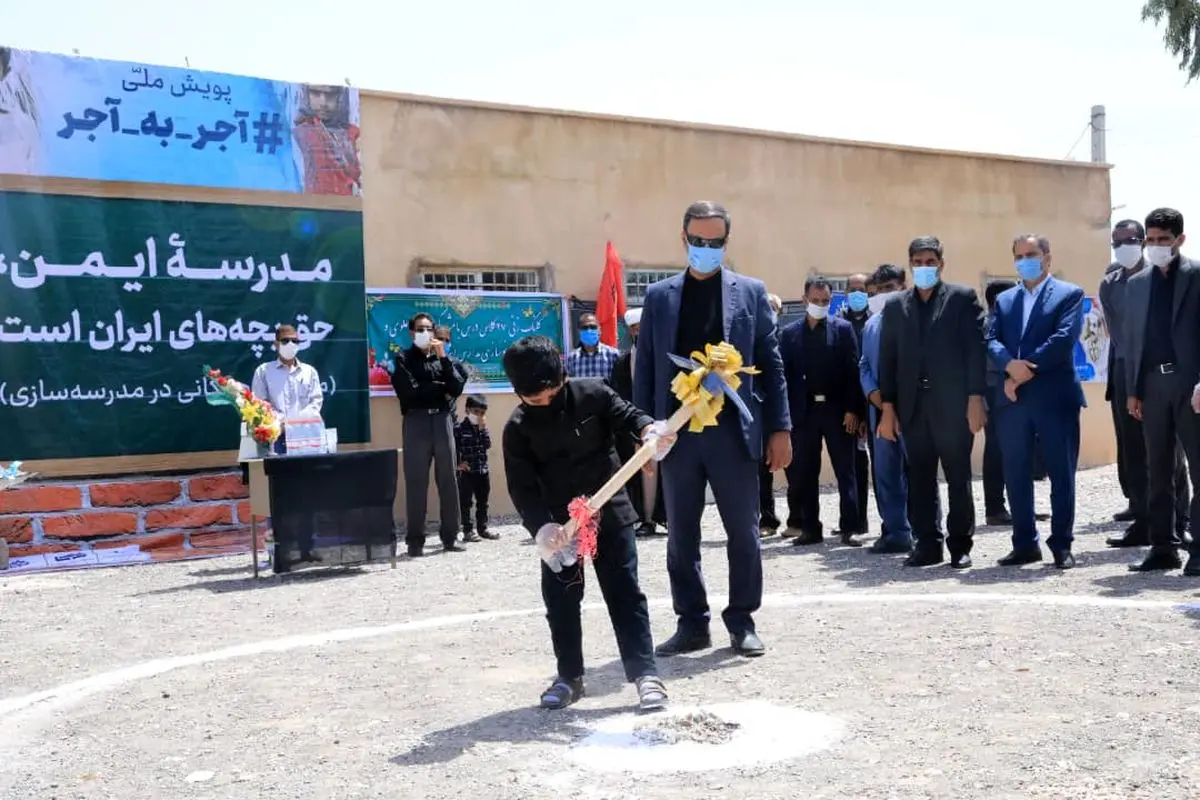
x=473 y=419
x=817 y=312
x=422 y=339
x=876 y=303
x=1128 y=255
x=288 y=350
x=1159 y=255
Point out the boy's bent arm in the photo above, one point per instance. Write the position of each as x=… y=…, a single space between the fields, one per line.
x=624 y=418
x=523 y=485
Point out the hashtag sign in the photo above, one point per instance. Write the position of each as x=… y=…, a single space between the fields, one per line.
x=267 y=132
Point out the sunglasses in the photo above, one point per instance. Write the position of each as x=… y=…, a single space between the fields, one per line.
x=696 y=241
x=1121 y=242
x=289 y=340
x=589 y=327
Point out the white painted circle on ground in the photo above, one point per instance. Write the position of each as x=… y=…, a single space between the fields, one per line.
x=766 y=734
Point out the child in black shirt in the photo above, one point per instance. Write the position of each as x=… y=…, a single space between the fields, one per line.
x=558 y=445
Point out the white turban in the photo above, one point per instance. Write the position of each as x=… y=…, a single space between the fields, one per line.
x=633 y=317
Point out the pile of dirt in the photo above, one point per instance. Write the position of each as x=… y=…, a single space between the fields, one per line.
x=701 y=727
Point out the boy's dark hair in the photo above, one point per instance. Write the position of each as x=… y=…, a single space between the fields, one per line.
x=533 y=364
x=477 y=401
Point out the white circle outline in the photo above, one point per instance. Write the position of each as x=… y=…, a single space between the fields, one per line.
x=75 y=691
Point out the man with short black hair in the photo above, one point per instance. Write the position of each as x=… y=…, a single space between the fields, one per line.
x=932 y=382
x=428 y=384
x=856 y=310
x=592 y=358
x=1162 y=365
x=1128 y=239
x=1032 y=339
x=820 y=365
x=705 y=305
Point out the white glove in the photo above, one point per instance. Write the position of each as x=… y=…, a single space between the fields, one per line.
x=1196 y=399
x=553 y=547
x=661 y=436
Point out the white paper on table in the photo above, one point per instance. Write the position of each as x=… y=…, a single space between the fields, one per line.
x=23 y=563
x=123 y=555
x=79 y=558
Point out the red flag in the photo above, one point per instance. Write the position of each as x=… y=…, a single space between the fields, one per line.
x=610 y=303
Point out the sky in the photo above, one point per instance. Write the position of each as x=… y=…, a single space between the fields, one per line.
x=1018 y=78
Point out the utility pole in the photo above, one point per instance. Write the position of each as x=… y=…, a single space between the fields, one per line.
x=1099 y=128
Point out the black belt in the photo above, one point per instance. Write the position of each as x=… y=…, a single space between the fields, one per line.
x=817 y=398
x=1164 y=369
x=428 y=411
x=924 y=384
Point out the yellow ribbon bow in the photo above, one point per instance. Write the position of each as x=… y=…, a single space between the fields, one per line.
x=722 y=360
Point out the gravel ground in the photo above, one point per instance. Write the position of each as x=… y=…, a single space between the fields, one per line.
x=1002 y=692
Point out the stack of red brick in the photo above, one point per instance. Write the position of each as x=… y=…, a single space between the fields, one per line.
x=172 y=517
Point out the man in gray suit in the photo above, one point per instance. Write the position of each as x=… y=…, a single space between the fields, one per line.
x=708 y=304
x=1162 y=366
x=1128 y=239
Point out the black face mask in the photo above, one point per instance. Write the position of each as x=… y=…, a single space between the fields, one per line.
x=549 y=411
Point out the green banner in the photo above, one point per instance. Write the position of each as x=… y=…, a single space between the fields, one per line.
x=110 y=308
x=482 y=325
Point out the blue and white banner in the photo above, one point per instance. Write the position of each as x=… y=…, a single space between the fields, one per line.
x=70 y=117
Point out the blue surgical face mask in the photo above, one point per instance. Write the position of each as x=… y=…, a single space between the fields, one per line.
x=446 y=347
x=857 y=301
x=925 y=277
x=705 y=259
x=590 y=337
x=1029 y=269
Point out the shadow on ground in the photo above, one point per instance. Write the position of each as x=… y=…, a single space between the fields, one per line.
x=533 y=725
x=248 y=582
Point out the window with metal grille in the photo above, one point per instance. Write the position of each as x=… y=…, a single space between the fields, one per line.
x=482 y=280
x=637 y=281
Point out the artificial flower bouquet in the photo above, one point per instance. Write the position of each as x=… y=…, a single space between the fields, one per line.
x=12 y=475
x=261 y=420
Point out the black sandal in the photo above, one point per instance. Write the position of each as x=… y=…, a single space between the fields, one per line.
x=562 y=693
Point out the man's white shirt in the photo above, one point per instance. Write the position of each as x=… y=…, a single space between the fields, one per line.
x=295 y=391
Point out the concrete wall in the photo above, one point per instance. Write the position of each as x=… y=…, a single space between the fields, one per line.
x=484 y=185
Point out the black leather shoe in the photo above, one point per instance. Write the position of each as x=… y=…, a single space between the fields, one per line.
x=1042 y=517
x=1017 y=558
x=884 y=545
x=924 y=558
x=416 y=551
x=1158 y=560
x=960 y=561
x=1125 y=516
x=453 y=547
x=1064 y=560
x=1132 y=537
x=808 y=538
x=747 y=644
x=1192 y=570
x=684 y=642
x=1003 y=518
x=848 y=539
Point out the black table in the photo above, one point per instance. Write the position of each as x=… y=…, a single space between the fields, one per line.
x=326 y=509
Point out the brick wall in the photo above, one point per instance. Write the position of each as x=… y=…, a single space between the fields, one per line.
x=169 y=516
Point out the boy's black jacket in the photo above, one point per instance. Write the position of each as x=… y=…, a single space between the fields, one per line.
x=551 y=458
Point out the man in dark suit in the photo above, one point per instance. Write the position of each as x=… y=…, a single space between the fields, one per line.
x=932 y=382
x=645 y=488
x=820 y=364
x=1128 y=238
x=1162 y=365
x=705 y=305
x=1032 y=342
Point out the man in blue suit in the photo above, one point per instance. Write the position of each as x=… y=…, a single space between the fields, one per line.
x=825 y=402
x=1032 y=342
x=706 y=305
